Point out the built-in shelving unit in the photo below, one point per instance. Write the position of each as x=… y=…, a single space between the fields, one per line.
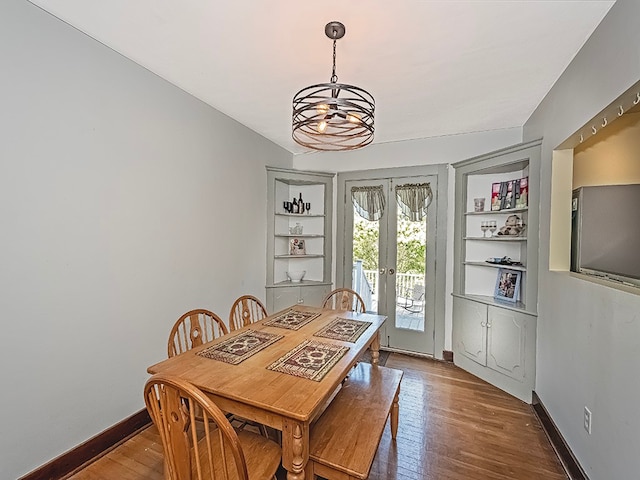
x=316 y=189
x=494 y=338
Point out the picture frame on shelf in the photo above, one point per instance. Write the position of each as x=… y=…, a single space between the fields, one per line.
x=508 y=285
x=297 y=246
x=522 y=199
x=496 y=196
x=510 y=194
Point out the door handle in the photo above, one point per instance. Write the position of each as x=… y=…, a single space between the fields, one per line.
x=382 y=271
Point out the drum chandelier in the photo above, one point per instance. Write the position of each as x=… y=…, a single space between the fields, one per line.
x=333 y=116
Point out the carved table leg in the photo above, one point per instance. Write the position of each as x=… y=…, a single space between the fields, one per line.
x=375 y=349
x=395 y=408
x=295 y=449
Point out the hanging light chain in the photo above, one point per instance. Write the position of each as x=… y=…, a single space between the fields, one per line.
x=334 y=77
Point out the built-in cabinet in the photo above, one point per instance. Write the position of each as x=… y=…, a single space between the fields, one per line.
x=299 y=240
x=494 y=337
x=500 y=339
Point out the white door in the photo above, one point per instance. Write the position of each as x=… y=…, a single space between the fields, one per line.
x=390 y=256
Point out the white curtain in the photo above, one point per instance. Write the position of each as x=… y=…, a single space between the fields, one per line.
x=368 y=201
x=414 y=199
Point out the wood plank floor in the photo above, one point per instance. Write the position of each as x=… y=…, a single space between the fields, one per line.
x=453 y=426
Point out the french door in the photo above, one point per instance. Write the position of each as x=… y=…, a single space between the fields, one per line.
x=389 y=255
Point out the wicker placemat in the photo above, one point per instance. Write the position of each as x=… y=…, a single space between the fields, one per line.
x=240 y=347
x=292 y=319
x=344 y=329
x=310 y=359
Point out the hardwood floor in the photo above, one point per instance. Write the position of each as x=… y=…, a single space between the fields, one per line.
x=453 y=426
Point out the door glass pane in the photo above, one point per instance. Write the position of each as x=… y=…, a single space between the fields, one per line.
x=366 y=247
x=410 y=273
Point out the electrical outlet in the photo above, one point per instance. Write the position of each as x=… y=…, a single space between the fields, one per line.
x=587 y=420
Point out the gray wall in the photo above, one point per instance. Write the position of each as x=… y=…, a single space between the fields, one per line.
x=124 y=203
x=589 y=334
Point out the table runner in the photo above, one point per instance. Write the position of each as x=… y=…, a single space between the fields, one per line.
x=310 y=359
x=240 y=347
x=292 y=319
x=344 y=329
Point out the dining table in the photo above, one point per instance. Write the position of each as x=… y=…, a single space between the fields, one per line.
x=282 y=371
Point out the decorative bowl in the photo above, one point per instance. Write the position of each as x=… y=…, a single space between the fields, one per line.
x=296 y=276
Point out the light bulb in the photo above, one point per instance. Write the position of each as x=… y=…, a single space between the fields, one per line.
x=322 y=126
x=322 y=109
x=354 y=118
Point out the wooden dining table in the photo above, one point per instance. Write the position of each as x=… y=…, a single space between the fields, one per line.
x=283 y=401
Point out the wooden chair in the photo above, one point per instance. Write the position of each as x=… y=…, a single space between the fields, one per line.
x=246 y=310
x=344 y=299
x=208 y=450
x=193 y=329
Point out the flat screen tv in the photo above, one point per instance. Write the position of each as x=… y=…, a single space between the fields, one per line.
x=605 y=232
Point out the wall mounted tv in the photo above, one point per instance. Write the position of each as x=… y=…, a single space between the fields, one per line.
x=605 y=232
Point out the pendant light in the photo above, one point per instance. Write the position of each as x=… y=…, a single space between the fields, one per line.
x=333 y=116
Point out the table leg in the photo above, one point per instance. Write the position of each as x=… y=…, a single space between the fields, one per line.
x=375 y=349
x=295 y=449
x=394 y=414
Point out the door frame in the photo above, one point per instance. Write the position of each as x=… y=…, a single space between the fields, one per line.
x=442 y=192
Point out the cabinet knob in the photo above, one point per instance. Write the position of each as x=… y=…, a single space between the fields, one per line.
x=391 y=271
x=483 y=324
x=301 y=300
x=488 y=325
x=383 y=271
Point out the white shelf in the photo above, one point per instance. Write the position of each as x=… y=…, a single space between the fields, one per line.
x=519 y=268
x=300 y=215
x=289 y=283
x=487 y=300
x=497 y=212
x=498 y=238
x=308 y=255
x=302 y=235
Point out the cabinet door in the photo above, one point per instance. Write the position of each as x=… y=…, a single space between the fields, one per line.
x=507 y=342
x=284 y=297
x=313 y=296
x=470 y=329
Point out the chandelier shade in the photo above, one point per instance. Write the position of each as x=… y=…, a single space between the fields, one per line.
x=333 y=116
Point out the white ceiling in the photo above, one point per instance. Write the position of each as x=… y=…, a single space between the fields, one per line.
x=434 y=67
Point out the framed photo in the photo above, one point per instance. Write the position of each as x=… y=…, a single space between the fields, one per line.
x=510 y=194
x=522 y=199
x=495 y=197
x=508 y=285
x=296 y=246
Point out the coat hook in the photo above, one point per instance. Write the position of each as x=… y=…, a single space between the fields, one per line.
x=604 y=122
x=593 y=129
x=581 y=138
x=637 y=100
x=620 y=111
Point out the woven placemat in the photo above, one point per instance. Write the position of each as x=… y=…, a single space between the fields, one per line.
x=310 y=359
x=292 y=319
x=240 y=347
x=344 y=329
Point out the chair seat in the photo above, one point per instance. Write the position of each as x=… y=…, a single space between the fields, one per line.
x=262 y=457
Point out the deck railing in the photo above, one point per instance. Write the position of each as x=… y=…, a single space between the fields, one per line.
x=404 y=282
